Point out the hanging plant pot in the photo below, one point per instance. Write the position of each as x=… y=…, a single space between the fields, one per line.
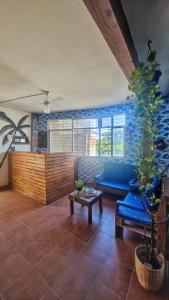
x=150 y=277
x=157 y=75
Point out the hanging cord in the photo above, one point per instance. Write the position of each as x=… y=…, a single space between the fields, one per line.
x=149 y=47
x=148 y=53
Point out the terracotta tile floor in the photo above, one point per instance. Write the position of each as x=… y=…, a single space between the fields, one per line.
x=45 y=254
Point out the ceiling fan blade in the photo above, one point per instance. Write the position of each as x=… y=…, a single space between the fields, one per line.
x=55 y=99
x=19 y=98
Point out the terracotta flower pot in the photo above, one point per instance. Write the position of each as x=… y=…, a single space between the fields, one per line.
x=149 y=278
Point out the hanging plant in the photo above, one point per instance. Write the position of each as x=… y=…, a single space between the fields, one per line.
x=143 y=82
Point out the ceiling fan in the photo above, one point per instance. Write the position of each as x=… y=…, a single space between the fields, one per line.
x=47 y=102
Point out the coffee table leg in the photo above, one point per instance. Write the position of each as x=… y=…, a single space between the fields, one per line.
x=71 y=207
x=100 y=205
x=90 y=214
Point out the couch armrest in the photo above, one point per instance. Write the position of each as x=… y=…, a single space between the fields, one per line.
x=122 y=203
x=99 y=177
x=133 y=181
x=152 y=189
x=134 y=188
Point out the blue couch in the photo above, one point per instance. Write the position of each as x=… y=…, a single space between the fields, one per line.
x=116 y=178
x=133 y=209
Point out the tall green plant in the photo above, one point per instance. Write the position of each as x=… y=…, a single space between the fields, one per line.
x=147 y=91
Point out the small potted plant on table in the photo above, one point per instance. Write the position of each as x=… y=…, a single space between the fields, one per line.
x=79 y=184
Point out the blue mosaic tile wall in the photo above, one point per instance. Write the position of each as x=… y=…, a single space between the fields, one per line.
x=163 y=156
x=89 y=166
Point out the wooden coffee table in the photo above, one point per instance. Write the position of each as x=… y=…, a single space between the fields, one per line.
x=77 y=197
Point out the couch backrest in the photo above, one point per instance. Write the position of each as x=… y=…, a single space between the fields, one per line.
x=120 y=172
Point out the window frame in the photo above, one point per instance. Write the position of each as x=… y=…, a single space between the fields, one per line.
x=99 y=128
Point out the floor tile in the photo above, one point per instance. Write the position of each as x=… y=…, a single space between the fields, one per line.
x=36 y=216
x=43 y=226
x=29 y=287
x=136 y=292
x=36 y=250
x=132 y=238
x=20 y=236
x=116 y=276
x=55 y=236
x=50 y=295
x=46 y=254
x=71 y=222
x=99 y=291
x=20 y=212
x=9 y=204
x=53 y=265
x=101 y=242
x=122 y=252
x=84 y=231
x=71 y=245
x=6 y=248
x=91 y=260
x=108 y=227
x=27 y=201
x=73 y=284
x=11 y=269
x=8 y=222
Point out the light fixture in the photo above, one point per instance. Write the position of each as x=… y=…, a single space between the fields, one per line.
x=46 y=103
x=49 y=100
x=46 y=108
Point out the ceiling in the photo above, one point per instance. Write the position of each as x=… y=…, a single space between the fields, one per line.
x=56 y=46
x=149 y=19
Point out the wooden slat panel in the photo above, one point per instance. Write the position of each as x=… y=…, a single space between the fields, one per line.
x=59 y=175
x=27 y=174
x=44 y=177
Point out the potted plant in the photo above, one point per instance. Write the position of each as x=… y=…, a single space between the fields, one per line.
x=149 y=263
x=79 y=184
x=143 y=82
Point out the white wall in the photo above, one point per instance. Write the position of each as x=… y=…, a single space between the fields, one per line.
x=15 y=116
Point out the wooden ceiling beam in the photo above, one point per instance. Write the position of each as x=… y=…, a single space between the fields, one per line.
x=111 y=20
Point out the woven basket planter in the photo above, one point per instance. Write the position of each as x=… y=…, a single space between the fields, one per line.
x=150 y=279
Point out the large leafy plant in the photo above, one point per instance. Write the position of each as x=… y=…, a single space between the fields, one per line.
x=143 y=83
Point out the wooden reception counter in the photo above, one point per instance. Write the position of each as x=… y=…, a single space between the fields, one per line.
x=45 y=177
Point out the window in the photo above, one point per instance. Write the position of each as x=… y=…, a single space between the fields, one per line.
x=106 y=136
x=118 y=141
x=88 y=137
x=60 y=135
x=118 y=135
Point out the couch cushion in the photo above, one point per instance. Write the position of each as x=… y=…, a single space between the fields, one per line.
x=134 y=215
x=119 y=172
x=135 y=200
x=114 y=185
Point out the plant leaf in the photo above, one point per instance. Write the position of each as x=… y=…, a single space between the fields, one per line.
x=5 y=139
x=152 y=56
x=25 y=126
x=6 y=128
x=5 y=118
x=22 y=120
